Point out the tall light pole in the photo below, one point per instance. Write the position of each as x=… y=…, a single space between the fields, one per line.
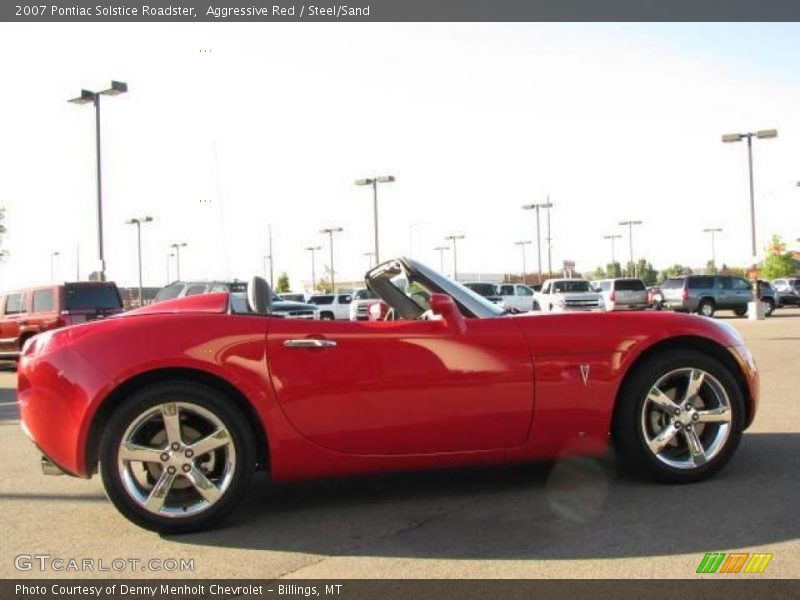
x=138 y=222
x=453 y=238
x=549 y=205
x=613 y=238
x=630 y=225
x=313 y=250
x=269 y=258
x=177 y=247
x=713 y=231
x=369 y=256
x=330 y=231
x=374 y=181
x=441 y=250
x=522 y=245
x=537 y=207
x=169 y=255
x=730 y=138
x=87 y=96
x=266 y=273
x=53 y=258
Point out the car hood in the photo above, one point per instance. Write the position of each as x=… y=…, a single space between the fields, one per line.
x=201 y=303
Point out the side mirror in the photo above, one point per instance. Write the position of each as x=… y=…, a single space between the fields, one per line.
x=443 y=305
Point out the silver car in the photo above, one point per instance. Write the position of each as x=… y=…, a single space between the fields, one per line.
x=622 y=294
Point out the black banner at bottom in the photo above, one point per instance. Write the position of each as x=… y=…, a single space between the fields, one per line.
x=397 y=589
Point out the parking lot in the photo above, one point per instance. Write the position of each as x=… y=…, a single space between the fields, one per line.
x=571 y=519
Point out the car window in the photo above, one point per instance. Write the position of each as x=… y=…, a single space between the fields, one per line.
x=366 y=295
x=217 y=287
x=524 y=291
x=741 y=284
x=169 y=292
x=671 y=284
x=321 y=300
x=700 y=283
x=484 y=289
x=99 y=296
x=194 y=290
x=506 y=290
x=546 y=288
x=15 y=304
x=345 y=299
x=604 y=286
x=629 y=285
x=43 y=301
x=578 y=285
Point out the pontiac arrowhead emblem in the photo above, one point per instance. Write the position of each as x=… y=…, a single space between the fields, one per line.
x=585 y=374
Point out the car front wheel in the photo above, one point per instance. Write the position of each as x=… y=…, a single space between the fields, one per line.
x=176 y=457
x=679 y=417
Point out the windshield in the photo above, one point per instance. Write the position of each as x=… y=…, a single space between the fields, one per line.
x=570 y=286
x=671 y=284
x=101 y=296
x=629 y=285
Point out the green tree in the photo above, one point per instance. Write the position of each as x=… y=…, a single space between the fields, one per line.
x=777 y=262
x=735 y=271
x=283 y=283
x=599 y=273
x=647 y=273
x=711 y=268
x=674 y=271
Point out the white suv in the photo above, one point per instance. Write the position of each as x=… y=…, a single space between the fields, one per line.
x=333 y=306
x=622 y=294
x=559 y=295
x=361 y=300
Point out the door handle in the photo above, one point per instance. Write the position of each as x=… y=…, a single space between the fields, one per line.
x=309 y=343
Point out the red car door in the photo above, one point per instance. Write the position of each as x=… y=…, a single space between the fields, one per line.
x=403 y=387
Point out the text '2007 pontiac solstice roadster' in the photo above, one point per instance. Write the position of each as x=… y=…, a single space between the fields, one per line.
x=176 y=404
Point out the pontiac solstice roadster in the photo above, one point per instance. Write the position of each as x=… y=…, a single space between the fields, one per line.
x=176 y=404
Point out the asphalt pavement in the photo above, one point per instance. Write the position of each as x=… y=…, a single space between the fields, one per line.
x=572 y=519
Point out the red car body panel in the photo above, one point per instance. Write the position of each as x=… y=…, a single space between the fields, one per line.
x=390 y=395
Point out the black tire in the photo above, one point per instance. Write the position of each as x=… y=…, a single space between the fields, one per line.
x=536 y=305
x=326 y=316
x=628 y=434
x=706 y=307
x=769 y=307
x=740 y=312
x=193 y=394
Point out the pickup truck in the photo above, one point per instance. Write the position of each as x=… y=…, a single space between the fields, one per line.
x=559 y=295
x=516 y=296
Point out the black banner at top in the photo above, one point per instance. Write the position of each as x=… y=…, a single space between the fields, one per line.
x=396 y=10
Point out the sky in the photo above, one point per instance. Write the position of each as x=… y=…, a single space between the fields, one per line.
x=230 y=128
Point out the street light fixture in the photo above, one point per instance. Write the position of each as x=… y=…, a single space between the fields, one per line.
x=536 y=207
x=613 y=237
x=87 y=96
x=522 y=245
x=713 y=231
x=330 y=231
x=177 y=247
x=53 y=257
x=730 y=138
x=441 y=250
x=374 y=181
x=630 y=225
x=138 y=222
x=313 y=250
x=453 y=238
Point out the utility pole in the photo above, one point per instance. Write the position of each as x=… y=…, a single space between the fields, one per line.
x=313 y=250
x=522 y=245
x=453 y=238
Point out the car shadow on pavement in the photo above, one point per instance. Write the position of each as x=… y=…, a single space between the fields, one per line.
x=573 y=509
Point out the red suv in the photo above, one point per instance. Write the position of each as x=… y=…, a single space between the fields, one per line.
x=26 y=312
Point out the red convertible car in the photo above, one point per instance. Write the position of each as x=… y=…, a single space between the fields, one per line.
x=178 y=403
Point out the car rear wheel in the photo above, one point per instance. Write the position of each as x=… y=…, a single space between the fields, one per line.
x=740 y=312
x=706 y=308
x=176 y=457
x=769 y=307
x=679 y=417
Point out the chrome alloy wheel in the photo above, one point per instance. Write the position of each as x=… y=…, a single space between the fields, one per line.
x=686 y=418
x=176 y=459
